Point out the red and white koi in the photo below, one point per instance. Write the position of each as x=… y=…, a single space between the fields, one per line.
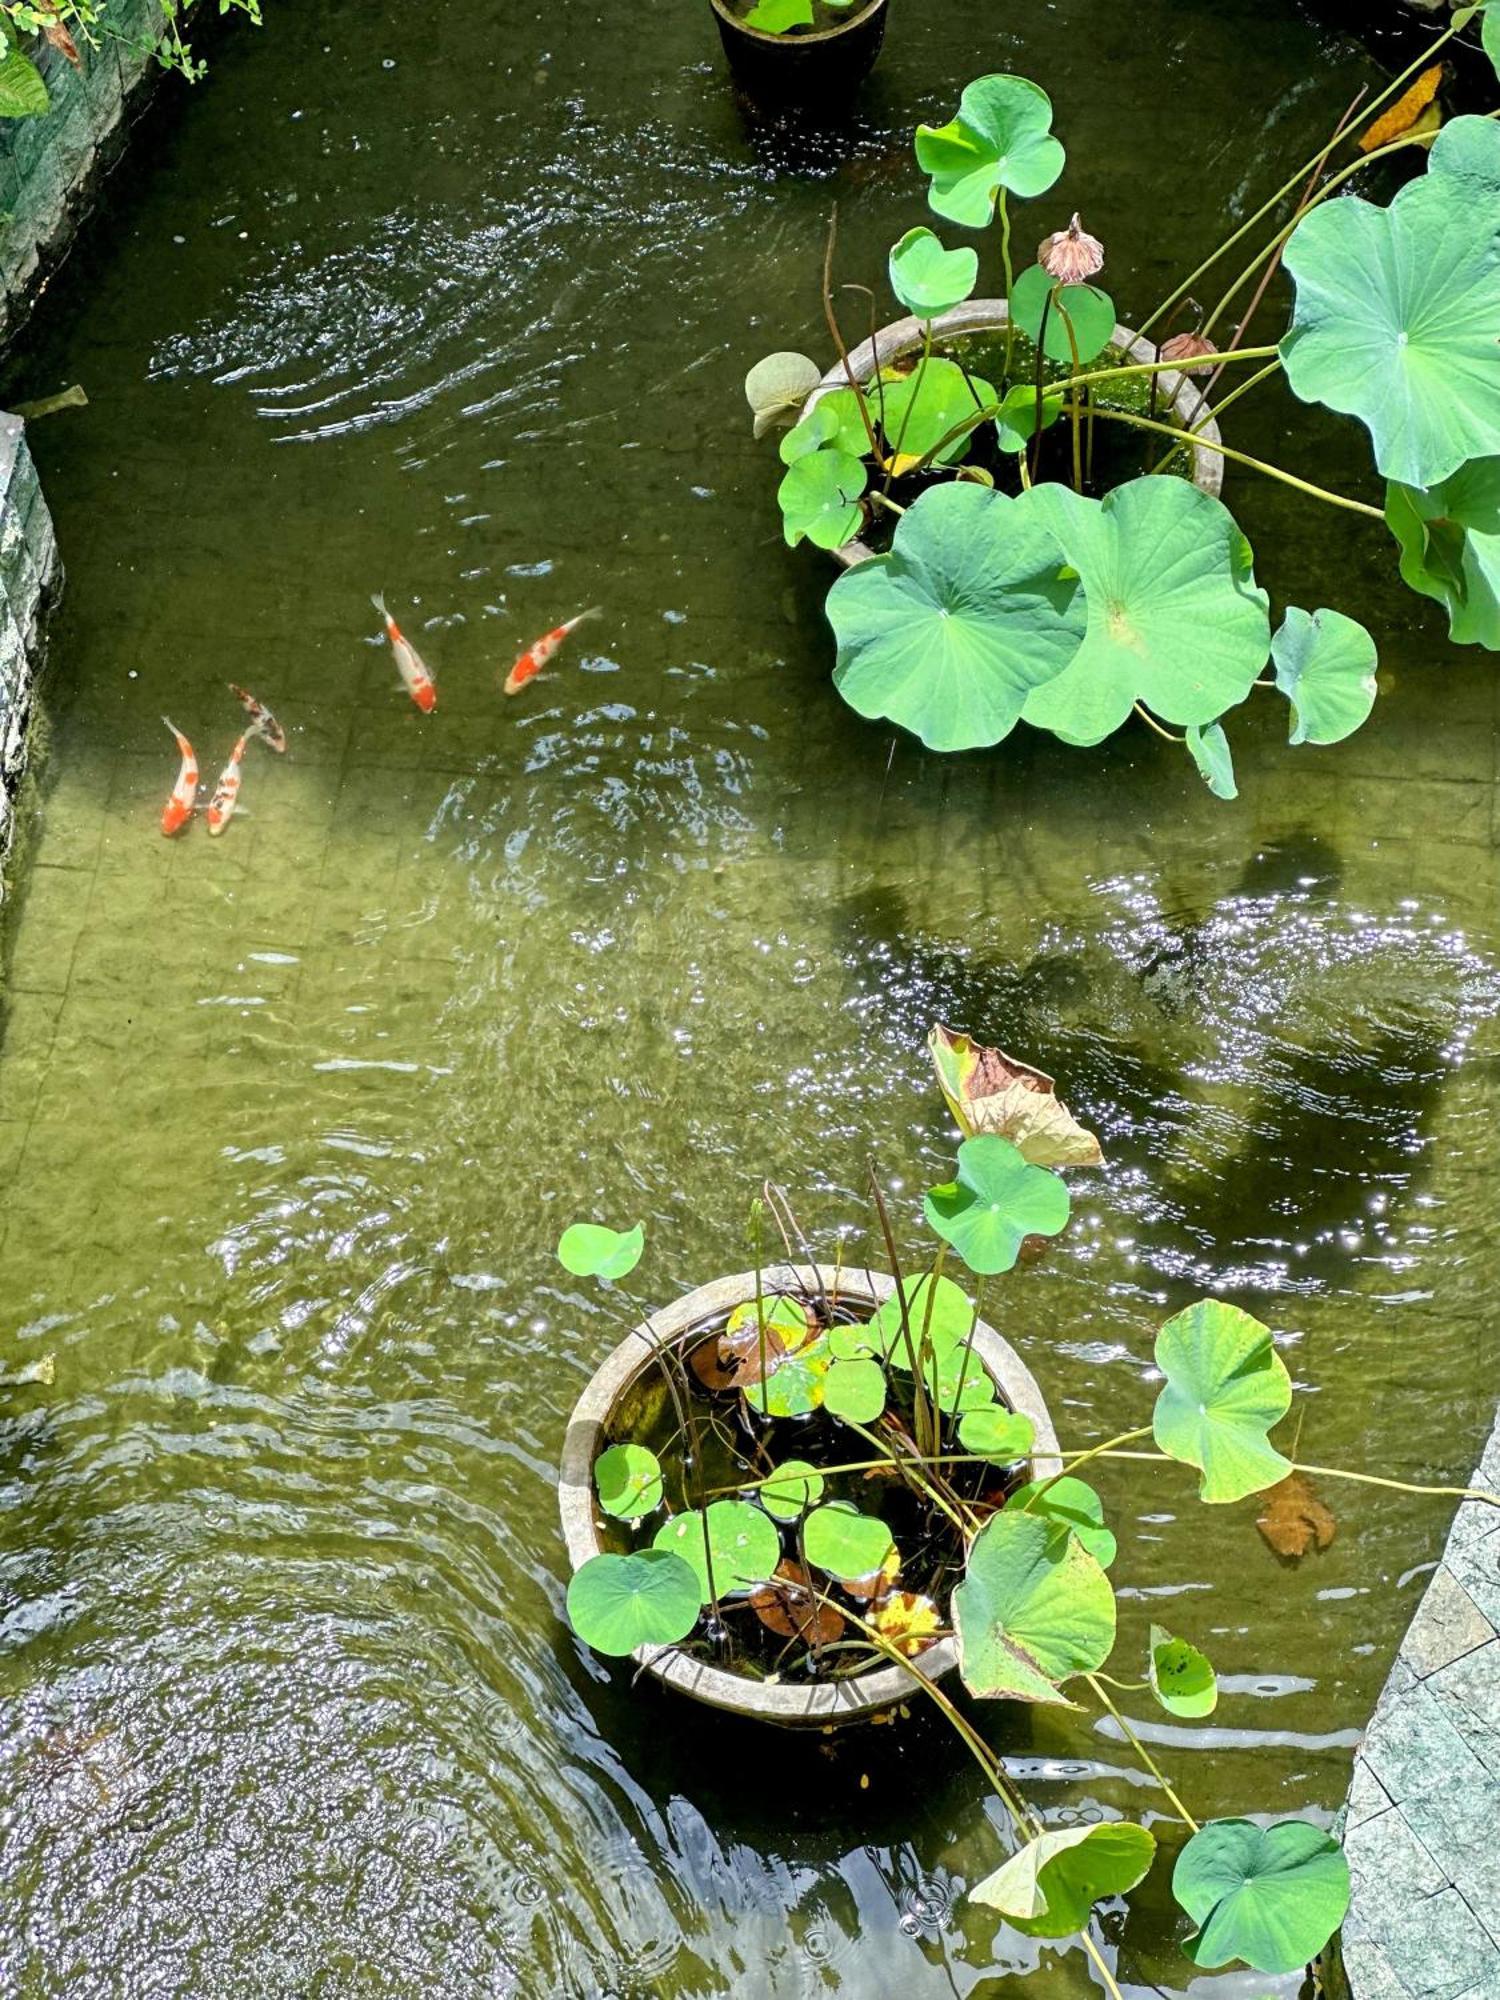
x=227 y=791
x=178 y=810
x=262 y=723
x=537 y=655
x=419 y=683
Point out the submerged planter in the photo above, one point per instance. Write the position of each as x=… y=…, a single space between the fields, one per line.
x=1180 y=397
x=593 y=1426
x=802 y=72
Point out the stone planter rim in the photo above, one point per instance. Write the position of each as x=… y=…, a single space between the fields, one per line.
x=832 y=1703
x=1179 y=392
x=818 y=39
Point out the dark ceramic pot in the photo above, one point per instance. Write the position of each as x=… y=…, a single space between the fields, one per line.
x=802 y=72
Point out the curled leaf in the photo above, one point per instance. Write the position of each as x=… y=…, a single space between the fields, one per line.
x=990 y=1092
x=778 y=385
x=1048 y=1888
x=1181 y=1677
x=1405 y=113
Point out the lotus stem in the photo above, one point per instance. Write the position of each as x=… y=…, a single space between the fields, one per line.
x=1340 y=1472
x=1082 y=1458
x=1041 y=362
x=883 y=500
x=1244 y=458
x=833 y=328
x=1243 y=389
x=1010 y=285
x=1150 y=720
x=911 y=404
x=919 y=1394
x=1143 y=1753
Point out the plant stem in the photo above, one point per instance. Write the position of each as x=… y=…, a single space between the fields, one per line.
x=911 y=404
x=1261 y=375
x=1041 y=362
x=833 y=328
x=894 y=506
x=1067 y=320
x=919 y=1393
x=1143 y=1753
x=1010 y=286
x=1082 y=1458
x=1151 y=722
x=1244 y=458
x=1335 y=1472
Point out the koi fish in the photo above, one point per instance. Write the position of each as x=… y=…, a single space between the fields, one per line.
x=227 y=792
x=179 y=808
x=262 y=723
x=419 y=683
x=536 y=657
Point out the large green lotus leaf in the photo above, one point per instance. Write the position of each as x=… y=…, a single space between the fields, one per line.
x=1450 y=545
x=589 y=1250
x=1048 y=1888
x=1001 y=138
x=616 y=1603
x=819 y=496
x=741 y=1541
x=1465 y=150
x=1033 y=1608
x=920 y=409
x=929 y=279
x=967 y=616
x=1325 y=666
x=1181 y=1677
x=1270 y=1895
x=1395 y=323
x=1209 y=750
x=995 y=1202
x=1225 y=1387
x=1175 y=618
x=1072 y=1504
x=1089 y=312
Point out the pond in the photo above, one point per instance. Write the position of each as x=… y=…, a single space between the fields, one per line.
x=290 y=1121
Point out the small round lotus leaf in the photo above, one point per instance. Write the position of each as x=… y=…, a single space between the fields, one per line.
x=1395 y=321
x=774 y=17
x=833 y=420
x=627 y=1479
x=796 y=1487
x=779 y=384
x=1001 y=138
x=616 y=1603
x=1225 y=1387
x=1070 y=1503
x=1175 y=618
x=589 y=1250
x=1325 y=666
x=742 y=1541
x=795 y=1386
x=939 y=1315
x=996 y=1434
x=1209 y=750
x=966 y=618
x=928 y=279
x=1049 y=1887
x=780 y=1313
x=1181 y=1678
x=838 y=1538
x=855 y=1390
x=955 y=1379
x=1270 y=1895
x=1033 y=1608
x=919 y=411
x=1088 y=311
x=995 y=1203
x=819 y=497
x=1450 y=545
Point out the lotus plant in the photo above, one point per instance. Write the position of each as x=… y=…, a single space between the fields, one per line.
x=1032 y=575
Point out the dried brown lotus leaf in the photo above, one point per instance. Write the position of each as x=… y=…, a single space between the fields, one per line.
x=1293 y=1519
x=789 y=1606
x=991 y=1093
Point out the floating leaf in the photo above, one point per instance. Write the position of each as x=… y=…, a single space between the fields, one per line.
x=1294 y=1519
x=589 y=1250
x=855 y=1390
x=794 y=1387
x=1404 y=113
x=1225 y=1387
x=919 y=410
x=1325 y=666
x=1175 y=618
x=1048 y=1888
x=1450 y=545
x=778 y=385
x=1015 y=424
x=1000 y=138
x=1033 y=1608
x=994 y=1203
x=745 y=1353
x=23 y=90
x=774 y=17
x=848 y=1544
x=967 y=616
x=796 y=1487
x=928 y=279
x=627 y=1478
x=833 y=420
x=999 y=1435
x=1270 y=1895
x=907 y=1621
x=955 y=1379
x=1181 y=1678
x=819 y=497
x=742 y=1542
x=878 y=1583
x=990 y=1092
x=616 y=1603
x=1209 y=750
x=789 y=1318
x=1072 y=1504
x=1087 y=310
x=1395 y=322
x=790 y=1606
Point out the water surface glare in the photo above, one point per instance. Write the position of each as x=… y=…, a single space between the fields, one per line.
x=290 y=1121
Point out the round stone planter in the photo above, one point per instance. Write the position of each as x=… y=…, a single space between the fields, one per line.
x=801 y=72
x=833 y=1703
x=1179 y=396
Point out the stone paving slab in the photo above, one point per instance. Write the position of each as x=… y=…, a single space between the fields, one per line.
x=1422 y=1826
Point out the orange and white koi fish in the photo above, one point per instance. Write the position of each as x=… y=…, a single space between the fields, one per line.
x=419 y=683
x=262 y=723
x=227 y=791
x=536 y=657
x=178 y=810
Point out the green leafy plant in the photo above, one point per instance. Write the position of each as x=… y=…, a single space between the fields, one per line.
x=792 y=18
x=75 y=28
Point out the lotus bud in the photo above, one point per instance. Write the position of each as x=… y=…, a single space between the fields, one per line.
x=1070 y=255
x=1188 y=349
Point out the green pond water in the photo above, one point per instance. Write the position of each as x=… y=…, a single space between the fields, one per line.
x=458 y=306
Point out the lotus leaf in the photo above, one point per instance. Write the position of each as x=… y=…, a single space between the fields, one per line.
x=1209 y=750
x=1325 y=666
x=1072 y=1504
x=920 y=409
x=790 y=1606
x=907 y=1621
x=589 y=1250
x=627 y=1479
x=774 y=17
x=796 y=1487
x=1000 y=138
x=1225 y=1387
x=794 y=1386
x=1048 y=1888
x=1175 y=618
x=1450 y=545
x=1015 y=425
x=1033 y=1608
x=994 y=1203
x=819 y=496
x=989 y=1091
x=616 y=1603
x=849 y=1545
x=928 y=279
x=1181 y=1677
x=997 y=1434
x=1465 y=151
x=778 y=385
x=939 y=1315
x=967 y=616
x=1088 y=311
x=855 y=1390
x=1489 y=35
x=741 y=1541
x=833 y=420
x=1270 y=1895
